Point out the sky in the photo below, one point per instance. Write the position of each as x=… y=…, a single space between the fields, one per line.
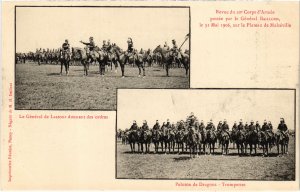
x=217 y=105
x=48 y=27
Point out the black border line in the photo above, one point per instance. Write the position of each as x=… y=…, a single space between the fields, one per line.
x=88 y=6
x=214 y=179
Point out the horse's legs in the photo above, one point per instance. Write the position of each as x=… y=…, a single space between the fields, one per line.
x=140 y=71
x=167 y=69
x=61 y=67
x=122 y=69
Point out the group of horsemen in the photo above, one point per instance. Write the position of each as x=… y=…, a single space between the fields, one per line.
x=106 y=47
x=192 y=126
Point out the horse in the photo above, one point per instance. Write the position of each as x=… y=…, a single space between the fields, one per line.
x=240 y=141
x=132 y=139
x=224 y=140
x=180 y=138
x=80 y=54
x=133 y=58
x=102 y=57
x=282 y=142
x=65 y=58
x=112 y=59
x=211 y=140
x=168 y=138
x=168 y=58
x=252 y=140
x=156 y=139
x=265 y=141
x=192 y=142
x=144 y=139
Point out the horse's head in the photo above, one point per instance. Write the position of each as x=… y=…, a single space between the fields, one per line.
x=158 y=49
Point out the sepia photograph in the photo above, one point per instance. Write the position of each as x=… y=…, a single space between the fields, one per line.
x=206 y=134
x=74 y=57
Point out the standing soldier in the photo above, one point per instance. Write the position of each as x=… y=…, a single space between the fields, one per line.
x=166 y=47
x=91 y=48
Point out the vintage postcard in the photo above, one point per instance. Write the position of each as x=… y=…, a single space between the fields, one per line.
x=150 y=95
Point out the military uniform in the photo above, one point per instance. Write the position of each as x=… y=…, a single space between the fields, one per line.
x=282 y=128
x=156 y=126
x=201 y=127
x=265 y=127
x=241 y=127
x=134 y=127
x=145 y=127
x=91 y=47
x=257 y=127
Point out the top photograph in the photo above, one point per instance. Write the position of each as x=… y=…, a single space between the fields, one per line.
x=75 y=58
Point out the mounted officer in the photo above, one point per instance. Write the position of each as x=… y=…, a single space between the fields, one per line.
x=134 y=126
x=257 y=126
x=174 y=48
x=225 y=127
x=282 y=128
x=241 y=126
x=66 y=47
x=192 y=119
x=181 y=126
x=156 y=126
x=90 y=48
x=145 y=126
x=234 y=127
x=219 y=127
x=210 y=126
x=130 y=49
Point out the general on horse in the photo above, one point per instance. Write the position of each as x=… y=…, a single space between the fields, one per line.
x=129 y=56
x=65 y=56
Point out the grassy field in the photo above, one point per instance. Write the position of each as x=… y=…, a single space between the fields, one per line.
x=232 y=166
x=42 y=87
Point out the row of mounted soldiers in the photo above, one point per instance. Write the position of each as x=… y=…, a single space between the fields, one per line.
x=192 y=124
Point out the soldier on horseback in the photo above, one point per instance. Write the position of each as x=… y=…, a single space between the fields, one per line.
x=241 y=126
x=257 y=126
x=192 y=119
x=225 y=127
x=282 y=128
x=91 y=47
x=156 y=126
x=210 y=126
x=266 y=128
x=174 y=49
x=145 y=126
x=134 y=126
x=234 y=127
x=66 y=47
x=219 y=127
x=130 y=49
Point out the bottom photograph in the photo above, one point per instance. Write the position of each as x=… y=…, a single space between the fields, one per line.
x=206 y=134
